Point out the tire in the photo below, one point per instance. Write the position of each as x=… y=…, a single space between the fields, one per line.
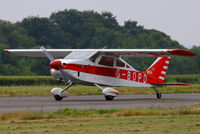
x=109 y=97
x=158 y=95
x=58 y=98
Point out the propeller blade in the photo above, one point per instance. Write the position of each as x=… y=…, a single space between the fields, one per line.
x=47 y=54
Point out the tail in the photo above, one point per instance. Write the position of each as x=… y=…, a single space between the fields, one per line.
x=157 y=71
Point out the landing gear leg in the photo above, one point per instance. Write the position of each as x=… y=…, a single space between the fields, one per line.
x=68 y=86
x=59 y=97
x=158 y=94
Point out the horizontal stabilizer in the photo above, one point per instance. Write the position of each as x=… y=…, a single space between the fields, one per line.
x=173 y=84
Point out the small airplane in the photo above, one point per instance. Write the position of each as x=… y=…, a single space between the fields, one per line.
x=104 y=67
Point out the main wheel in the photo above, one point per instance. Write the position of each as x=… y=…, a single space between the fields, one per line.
x=58 y=98
x=109 y=97
x=158 y=95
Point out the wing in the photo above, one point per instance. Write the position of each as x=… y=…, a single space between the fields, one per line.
x=38 y=52
x=148 y=52
x=115 y=52
x=68 y=53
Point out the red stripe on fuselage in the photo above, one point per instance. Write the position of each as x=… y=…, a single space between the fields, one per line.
x=104 y=71
x=110 y=72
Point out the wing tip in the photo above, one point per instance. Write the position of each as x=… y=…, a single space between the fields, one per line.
x=181 y=52
x=6 y=51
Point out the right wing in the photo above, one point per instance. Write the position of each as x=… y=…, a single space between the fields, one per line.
x=39 y=52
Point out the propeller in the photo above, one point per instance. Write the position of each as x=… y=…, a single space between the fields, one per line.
x=56 y=64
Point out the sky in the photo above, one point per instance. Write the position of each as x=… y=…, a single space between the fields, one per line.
x=180 y=19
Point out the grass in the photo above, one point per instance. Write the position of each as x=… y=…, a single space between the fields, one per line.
x=27 y=80
x=74 y=113
x=49 y=80
x=42 y=90
x=106 y=125
x=154 y=120
x=45 y=90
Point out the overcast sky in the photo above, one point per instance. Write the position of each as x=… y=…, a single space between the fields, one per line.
x=178 y=18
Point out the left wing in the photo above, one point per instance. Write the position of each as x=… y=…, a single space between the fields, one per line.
x=148 y=52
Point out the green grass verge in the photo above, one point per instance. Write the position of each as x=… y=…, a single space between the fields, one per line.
x=151 y=121
x=27 y=80
x=43 y=90
x=106 y=125
x=73 y=113
x=49 y=80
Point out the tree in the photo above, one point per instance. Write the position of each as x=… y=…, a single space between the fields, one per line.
x=84 y=29
x=132 y=28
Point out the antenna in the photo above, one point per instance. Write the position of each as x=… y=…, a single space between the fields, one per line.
x=105 y=47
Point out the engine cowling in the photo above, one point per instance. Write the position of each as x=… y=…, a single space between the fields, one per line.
x=58 y=91
x=110 y=92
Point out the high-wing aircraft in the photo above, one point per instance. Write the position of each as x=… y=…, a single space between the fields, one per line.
x=104 y=67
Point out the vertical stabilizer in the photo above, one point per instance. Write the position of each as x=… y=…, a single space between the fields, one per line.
x=157 y=71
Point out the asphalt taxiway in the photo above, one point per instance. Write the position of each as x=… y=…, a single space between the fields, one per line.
x=47 y=103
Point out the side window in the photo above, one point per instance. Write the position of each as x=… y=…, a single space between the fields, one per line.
x=106 y=61
x=119 y=63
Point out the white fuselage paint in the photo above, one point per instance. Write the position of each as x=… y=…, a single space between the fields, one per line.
x=86 y=78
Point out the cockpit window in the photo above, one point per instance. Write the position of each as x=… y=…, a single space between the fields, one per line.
x=94 y=57
x=119 y=63
x=106 y=61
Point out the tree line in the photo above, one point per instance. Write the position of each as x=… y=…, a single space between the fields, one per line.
x=84 y=29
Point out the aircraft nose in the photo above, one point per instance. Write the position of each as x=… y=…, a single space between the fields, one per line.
x=55 y=64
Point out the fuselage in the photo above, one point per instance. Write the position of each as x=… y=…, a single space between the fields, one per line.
x=87 y=71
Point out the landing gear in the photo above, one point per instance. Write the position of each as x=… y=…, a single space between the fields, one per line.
x=57 y=97
x=158 y=94
x=108 y=92
x=109 y=97
x=60 y=93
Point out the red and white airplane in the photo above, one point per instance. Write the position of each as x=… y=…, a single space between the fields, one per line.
x=104 y=67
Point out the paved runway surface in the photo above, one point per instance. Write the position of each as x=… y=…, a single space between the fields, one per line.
x=40 y=103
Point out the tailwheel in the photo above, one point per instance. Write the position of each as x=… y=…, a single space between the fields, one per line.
x=58 y=98
x=158 y=95
x=109 y=97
